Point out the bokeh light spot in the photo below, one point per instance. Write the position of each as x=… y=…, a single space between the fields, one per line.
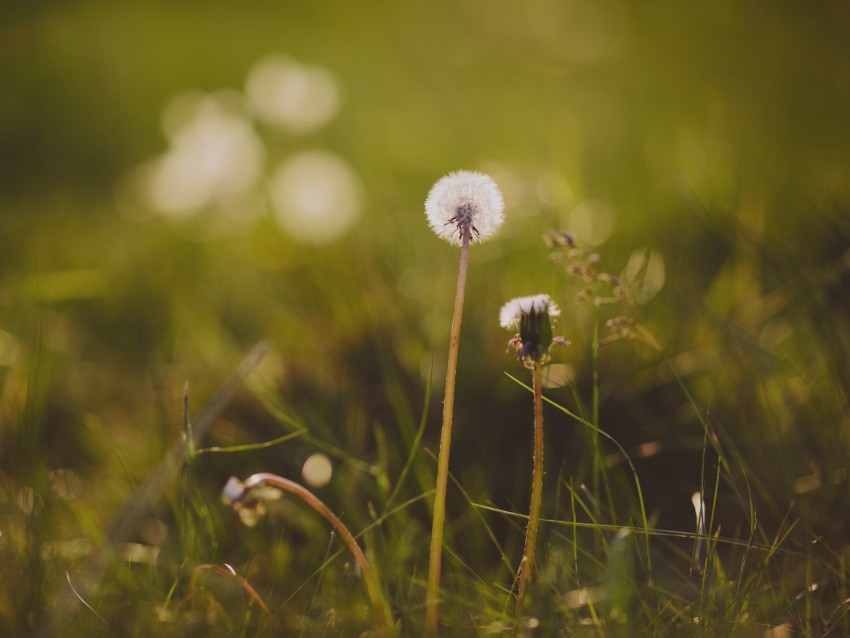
x=592 y=221
x=215 y=157
x=645 y=274
x=316 y=197
x=317 y=470
x=290 y=95
x=557 y=375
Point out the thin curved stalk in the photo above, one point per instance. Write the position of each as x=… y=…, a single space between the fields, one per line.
x=379 y=604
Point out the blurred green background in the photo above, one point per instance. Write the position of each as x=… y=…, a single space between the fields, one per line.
x=181 y=180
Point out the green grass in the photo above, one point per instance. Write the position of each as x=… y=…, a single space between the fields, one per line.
x=175 y=561
x=713 y=137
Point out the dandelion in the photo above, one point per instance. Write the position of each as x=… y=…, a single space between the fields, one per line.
x=465 y=201
x=532 y=316
x=462 y=207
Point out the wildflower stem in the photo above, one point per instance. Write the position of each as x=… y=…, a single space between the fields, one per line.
x=379 y=604
x=528 y=557
x=594 y=434
x=188 y=436
x=432 y=592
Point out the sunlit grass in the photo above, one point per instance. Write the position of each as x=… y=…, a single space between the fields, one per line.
x=168 y=201
x=179 y=563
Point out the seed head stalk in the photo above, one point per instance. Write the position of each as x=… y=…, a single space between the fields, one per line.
x=434 y=566
x=459 y=204
x=527 y=565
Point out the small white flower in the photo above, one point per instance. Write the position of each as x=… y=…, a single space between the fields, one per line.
x=512 y=313
x=465 y=201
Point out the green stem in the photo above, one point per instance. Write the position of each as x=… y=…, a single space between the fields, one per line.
x=594 y=435
x=432 y=593
x=600 y=478
x=527 y=566
x=188 y=436
x=379 y=604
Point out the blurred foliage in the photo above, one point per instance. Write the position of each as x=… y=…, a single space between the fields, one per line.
x=713 y=134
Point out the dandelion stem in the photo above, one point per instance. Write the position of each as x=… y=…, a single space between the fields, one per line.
x=528 y=557
x=379 y=604
x=432 y=593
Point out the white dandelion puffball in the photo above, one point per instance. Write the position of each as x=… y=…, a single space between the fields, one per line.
x=512 y=312
x=465 y=201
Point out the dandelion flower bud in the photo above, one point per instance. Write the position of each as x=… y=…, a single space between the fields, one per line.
x=531 y=315
x=514 y=312
x=465 y=202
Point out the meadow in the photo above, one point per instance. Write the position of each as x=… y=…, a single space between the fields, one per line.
x=226 y=338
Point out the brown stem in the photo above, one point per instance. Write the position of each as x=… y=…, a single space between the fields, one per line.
x=527 y=565
x=432 y=593
x=375 y=596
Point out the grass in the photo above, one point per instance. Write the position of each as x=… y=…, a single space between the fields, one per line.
x=729 y=383
x=761 y=559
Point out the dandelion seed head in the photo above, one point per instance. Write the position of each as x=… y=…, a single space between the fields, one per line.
x=465 y=201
